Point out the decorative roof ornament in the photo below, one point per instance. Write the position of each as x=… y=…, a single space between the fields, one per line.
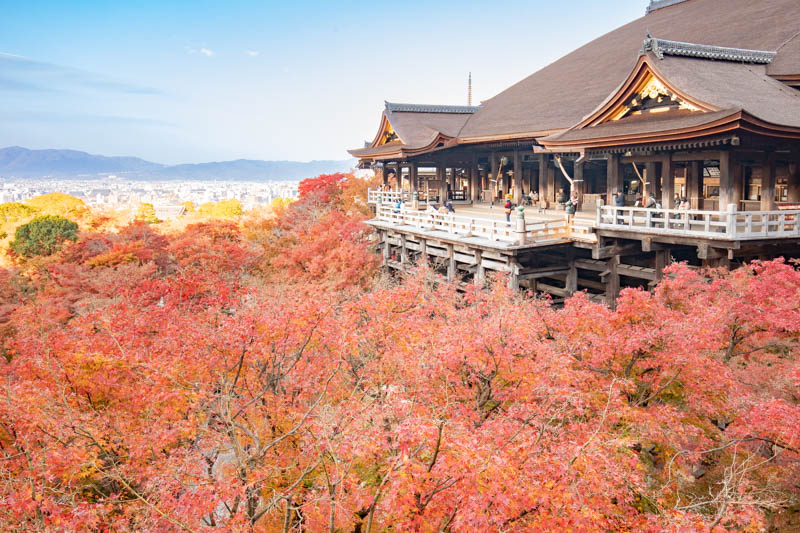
x=658 y=4
x=423 y=108
x=662 y=47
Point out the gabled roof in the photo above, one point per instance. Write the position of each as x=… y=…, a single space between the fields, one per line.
x=419 y=127
x=719 y=95
x=562 y=93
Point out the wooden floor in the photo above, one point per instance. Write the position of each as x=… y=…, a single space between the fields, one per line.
x=531 y=213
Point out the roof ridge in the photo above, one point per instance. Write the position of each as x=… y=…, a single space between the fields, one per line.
x=658 y=4
x=430 y=108
x=662 y=47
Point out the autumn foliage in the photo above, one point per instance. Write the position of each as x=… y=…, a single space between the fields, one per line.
x=264 y=377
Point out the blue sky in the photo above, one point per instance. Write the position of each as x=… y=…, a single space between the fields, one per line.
x=203 y=81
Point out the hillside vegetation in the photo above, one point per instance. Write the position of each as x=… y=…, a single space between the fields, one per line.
x=259 y=373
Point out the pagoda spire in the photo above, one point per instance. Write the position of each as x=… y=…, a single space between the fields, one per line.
x=469 y=89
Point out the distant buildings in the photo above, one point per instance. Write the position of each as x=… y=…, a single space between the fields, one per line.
x=117 y=193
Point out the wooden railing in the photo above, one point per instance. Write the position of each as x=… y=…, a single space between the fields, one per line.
x=387 y=197
x=516 y=232
x=729 y=225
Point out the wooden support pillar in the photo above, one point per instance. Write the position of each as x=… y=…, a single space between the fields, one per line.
x=727 y=195
x=480 y=272
x=403 y=250
x=613 y=178
x=653 y=181
x=793 y=189
x=768 y=184
x=517 y=177
x=423 y=251
x=474 y=179
x=493 y=162
x=543 y=179
x=660 y=261
x=667 y=183
x=451 y=263
x=551 y=184
x=441 y=176
x=398 y=168
x=693 y=190
x=412 y=177
x=612 y=281
x=513 y=274
x=387 y=252
x=580 y=185
x=572 y=275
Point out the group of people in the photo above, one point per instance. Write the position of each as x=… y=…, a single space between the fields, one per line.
x=649 y=201
x=445 y=208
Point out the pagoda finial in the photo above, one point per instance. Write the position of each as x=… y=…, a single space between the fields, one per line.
x=469 y=89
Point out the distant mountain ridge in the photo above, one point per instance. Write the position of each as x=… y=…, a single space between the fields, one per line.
x=18 y=162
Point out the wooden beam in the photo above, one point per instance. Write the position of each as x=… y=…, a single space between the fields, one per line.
x=633 y=271
x=604 y=252
x=591 y=264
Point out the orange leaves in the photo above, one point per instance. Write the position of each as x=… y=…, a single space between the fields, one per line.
x=246 y=376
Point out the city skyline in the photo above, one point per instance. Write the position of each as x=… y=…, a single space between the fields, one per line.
x=204 y=82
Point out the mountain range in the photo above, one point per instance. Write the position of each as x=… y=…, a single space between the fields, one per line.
x=17 y=162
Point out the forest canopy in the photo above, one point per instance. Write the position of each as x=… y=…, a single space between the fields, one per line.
x=259 y=373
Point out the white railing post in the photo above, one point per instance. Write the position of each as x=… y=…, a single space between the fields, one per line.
x=730 y=227
x=599 y=211
x=520 y=229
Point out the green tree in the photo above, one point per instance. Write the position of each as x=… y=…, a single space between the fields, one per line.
x=43 y=235
x=147 y=213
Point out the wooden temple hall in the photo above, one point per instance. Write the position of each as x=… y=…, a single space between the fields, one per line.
x=696 y=104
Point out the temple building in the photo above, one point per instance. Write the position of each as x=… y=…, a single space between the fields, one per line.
x=696 y=104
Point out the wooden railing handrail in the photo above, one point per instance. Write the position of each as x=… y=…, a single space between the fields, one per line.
x=729 y=224
x=496 y=230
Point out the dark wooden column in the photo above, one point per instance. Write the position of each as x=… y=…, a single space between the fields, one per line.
x=693 y=184
x=580 y=185
x=653 y=184
x=517 y=177
x=441 y=178
x=551 y=184
x=412 y=177
x=474 y=179
x=493 y=167
x=793 y=192
x=667 y=183
x=543 y=179
x=613 y=178
x=612 y=281
x=768 y=184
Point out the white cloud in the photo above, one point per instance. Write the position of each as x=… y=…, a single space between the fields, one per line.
x=204 y=51
x=252 y=53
